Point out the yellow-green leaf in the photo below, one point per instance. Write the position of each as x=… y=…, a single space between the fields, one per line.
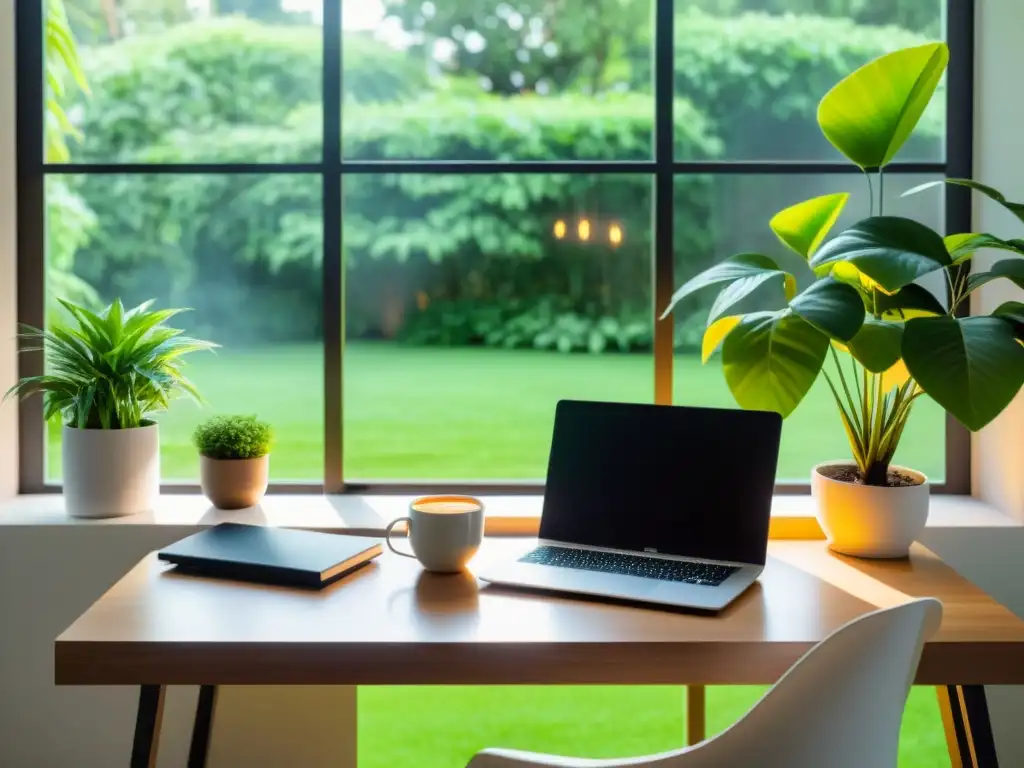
x=789 y=283
x=803 y=226
x=715 y=335
x=870 y=113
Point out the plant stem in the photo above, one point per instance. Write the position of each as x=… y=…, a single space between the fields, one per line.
x=846 y=390
x=881 y=193
x=871 y=195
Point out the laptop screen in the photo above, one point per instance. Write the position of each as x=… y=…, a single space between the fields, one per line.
x=696 y=482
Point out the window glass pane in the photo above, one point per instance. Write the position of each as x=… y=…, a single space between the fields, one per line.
x=181 y=81
x=498 y=81
x=740 y=208
x=758 y=69
x=581 y=721
x=244 y=253
x=474 y=303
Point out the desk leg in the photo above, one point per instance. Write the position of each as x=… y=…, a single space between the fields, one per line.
x=972 y=727
x=696 y=714
x=202 y=727
x=147 y=726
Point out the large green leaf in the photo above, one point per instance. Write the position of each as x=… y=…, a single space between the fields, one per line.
x=971 y=366
x=771 y=360
x=832 y=307
x=754 y=268
x=870 y=113
x=877 y=346
x=1011 y=269
x=891 y=250
x=911 y=300
x=963 y=246
x=1012 y=312
x=803 y=226
x=738 y=290
x=1017 y=209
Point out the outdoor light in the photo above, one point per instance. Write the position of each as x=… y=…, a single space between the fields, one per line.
x=615 y=235
x=559 y=229
x=583 y=230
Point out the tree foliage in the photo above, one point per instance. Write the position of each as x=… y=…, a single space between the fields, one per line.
x=532 y=45
x=430 y=254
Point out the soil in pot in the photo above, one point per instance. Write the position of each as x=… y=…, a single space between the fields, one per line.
x=846 y=474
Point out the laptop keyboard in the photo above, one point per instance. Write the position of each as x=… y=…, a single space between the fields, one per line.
x=630 y=565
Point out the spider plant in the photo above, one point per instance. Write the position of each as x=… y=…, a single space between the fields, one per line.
x=110 y=370
x=880 y=338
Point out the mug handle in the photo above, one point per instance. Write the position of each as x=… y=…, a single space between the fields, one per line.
x=387 y=536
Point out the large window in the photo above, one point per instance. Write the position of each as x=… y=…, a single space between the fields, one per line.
x=415 y=225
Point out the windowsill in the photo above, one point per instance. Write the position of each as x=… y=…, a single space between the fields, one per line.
x=792 y=516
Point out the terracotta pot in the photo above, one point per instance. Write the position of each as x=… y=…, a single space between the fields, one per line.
x=234 y=483
x=867 y=520
x=110 y=472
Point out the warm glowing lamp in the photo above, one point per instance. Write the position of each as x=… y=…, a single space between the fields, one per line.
x=559 y=229
x=583 y=229
x=615 y=235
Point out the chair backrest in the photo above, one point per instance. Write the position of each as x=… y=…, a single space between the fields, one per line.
x=841 y=704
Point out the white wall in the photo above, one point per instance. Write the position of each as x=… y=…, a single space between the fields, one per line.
x=8 y=283
x=998 y=454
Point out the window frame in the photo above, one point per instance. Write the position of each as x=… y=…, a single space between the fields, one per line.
x=662 y=168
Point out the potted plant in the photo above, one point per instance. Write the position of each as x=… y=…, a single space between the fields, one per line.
x=881 y=340
x=234 y=456
x=107 y=374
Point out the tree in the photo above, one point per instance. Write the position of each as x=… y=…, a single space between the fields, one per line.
x=94 y=22
x=532 y=45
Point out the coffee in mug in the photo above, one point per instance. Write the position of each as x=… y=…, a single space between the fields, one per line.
x=444 y=531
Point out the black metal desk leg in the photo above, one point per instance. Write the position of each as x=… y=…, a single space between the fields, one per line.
x=147 y=726
x=972 y=726
x=202 y=727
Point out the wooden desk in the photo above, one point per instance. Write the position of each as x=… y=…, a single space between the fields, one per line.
x=390 y=623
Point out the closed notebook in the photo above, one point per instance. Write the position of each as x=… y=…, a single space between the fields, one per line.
x=271 y=555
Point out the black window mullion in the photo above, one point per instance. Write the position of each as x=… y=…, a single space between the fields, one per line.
x=959 y=164
x=664 y=181
x=332 y=268
x=31 y=234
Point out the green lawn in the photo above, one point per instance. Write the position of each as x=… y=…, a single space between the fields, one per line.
x=468 y=413
x=477 y=414
x=430 y=727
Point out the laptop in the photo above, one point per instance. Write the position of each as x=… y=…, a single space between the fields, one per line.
x=652 y=503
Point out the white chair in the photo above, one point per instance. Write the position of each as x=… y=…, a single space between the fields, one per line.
x=839 y=706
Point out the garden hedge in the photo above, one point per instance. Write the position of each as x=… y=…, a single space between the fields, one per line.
x=434 y=259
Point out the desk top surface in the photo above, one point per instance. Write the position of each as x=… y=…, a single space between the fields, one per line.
x=391 y=623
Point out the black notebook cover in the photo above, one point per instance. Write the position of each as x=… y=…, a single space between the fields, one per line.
x=271 y=555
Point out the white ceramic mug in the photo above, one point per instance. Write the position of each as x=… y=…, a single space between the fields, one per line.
x=444 y=531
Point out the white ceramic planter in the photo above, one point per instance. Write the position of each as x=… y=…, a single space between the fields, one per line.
x=870 y=521
x=110 y=472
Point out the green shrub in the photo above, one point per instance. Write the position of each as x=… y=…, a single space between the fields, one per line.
x=221 y=242
x=233 y=437
x=760 y=78
x=232 y=90
x=201 y=76
x=547 y=322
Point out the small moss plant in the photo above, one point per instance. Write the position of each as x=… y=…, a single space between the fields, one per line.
x=233 y=437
